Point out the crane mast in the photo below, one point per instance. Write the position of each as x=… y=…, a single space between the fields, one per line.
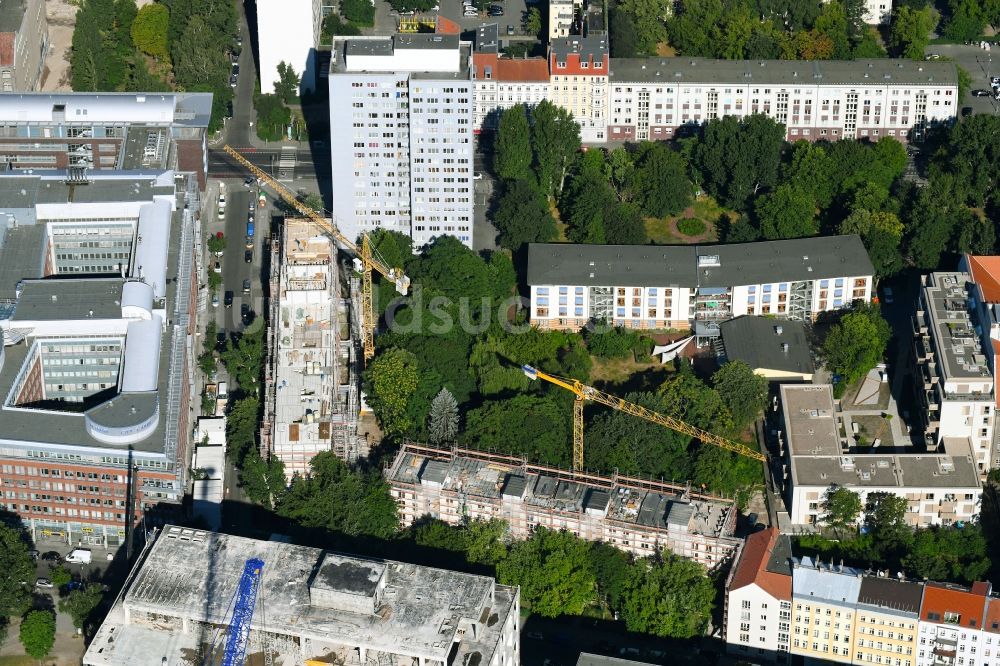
x=584 y=392
x=241 y=615
x=366 y=252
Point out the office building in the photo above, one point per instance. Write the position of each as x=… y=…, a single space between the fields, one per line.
x=635 y=515
x=24 y=41
x=578 y=82
x=406 y=163
x=106 y=131
x=941 y=488
x=886 y=627
x=500 y=82
x=97 y=301
x=652 y=98
x=288 y=32
x=955 y=625
x=310 y=383
x=313 y=606
x=758 y=610
x=955 y=359
x=694 y=286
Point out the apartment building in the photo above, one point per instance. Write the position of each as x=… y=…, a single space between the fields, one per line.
x=310 y=384
x=886 y=627
x=984 y=297
x=500 y=82
x=406 y=165
x=97 y=302
x=578 y=82
x=635 y=515
x=106 y=131
x=288 y=32
x=941 y=488
x=694 y=286
x=955 y=358
x=563 y=16
x=652 y=98
x=954 y=627
x=24 y=41
x=318 y=607
x=824 y=598
x=758 y=607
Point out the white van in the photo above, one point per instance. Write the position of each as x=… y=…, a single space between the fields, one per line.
x=79 y=556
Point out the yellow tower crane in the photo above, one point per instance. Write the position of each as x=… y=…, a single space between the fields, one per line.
x=366 y=252
x=584 y=392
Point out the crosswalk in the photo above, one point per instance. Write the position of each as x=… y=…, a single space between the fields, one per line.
x=286 y=163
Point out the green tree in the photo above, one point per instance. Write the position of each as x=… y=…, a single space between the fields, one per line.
x=885 y=520
x=532 y=21
x=882 y=234
x=788 y=212
x=841 y=507
x=286 y=88
x=661 y=180
x=693 y=29
x=216 y=243
x=965 y=20
x=956 y=554
x=244 y=358
x=720 y=471
x=647 y=21
x=38 y=633
x=149 y=31
x=241 y=429
x=443 y=417
x=554 y=572
x=541 y=434
x=102 y=45
x=60 y=575
x=16 y=563
x=336 y=498
x=262 y=480
x=358 y=12
x=742 y=391
x=512 y=144
x=672 y=598
x=555 y=142
x=81 y=603
x=522 y=216
x=389 y=383
x=810 y=169
x=910 y=30
x=611 y=569
x=856 y=343
x=736 y=158
x=334 y=26
x=624 y=37
x=273 y=117
x=833 y=24
x=484 y=541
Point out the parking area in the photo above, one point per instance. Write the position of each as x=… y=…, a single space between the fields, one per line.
x=513 y=16
x=979 y=64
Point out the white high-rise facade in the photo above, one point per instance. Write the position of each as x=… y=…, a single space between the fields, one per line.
x=401 y=136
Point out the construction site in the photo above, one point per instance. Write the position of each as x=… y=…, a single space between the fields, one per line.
x=638 y=516
x=311 y=384
x=283 y=604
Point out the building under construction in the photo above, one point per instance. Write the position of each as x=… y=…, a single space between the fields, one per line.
x=639 y=516
x=311 y=606
x=311 y=381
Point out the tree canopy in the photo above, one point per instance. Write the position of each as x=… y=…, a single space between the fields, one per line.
x=857 y=343
x=38 y=633
x=553 y=570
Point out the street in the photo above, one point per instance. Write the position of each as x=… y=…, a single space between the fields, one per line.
x=979 y=64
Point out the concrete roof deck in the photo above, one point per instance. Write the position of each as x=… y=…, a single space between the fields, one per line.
x=810 y=422
x=54 y=299
x=826 y=583
x=194 y=575
x=958 y=347
x=879 y=72
x=21 y=256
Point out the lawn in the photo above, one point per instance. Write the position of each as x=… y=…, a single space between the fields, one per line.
x=704 y=209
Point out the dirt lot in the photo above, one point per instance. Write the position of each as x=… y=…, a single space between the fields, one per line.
x=61 y=15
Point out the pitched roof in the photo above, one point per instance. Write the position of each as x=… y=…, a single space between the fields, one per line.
x=756 y=342
x=510 y=69
x=992 y=623
x=986 y=273
x=940 y=598
x=753 y=566
x=891 y=594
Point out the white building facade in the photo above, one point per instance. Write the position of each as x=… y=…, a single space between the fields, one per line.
x=652 y=98
x=288 y=32
x=680 y=286
x=406 y=163
x=578 y=82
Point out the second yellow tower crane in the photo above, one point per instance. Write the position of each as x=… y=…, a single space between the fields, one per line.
x=584 y=392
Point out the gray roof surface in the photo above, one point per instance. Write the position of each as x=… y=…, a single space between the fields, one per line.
x=764 y=262
x=784 y=72
x=780 y=560
x=754 y=341
x=189 y=109
x=426 y=41
x=514 y=486
x=596 y=47
x=368 y=47
x=487 y=38
x=838 y=586
x=56 y=299
x=195 y=576
x=889 y=593
x=596 y=499
x=18 y=191
x=958 y=346
x=587 y=659
x=434 y=471
x=11 y=15
x=21 y=256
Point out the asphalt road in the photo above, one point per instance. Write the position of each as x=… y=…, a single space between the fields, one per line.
x=237 y=128
x=980 y=66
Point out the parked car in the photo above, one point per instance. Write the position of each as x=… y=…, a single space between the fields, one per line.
x=79 y=556
x=43 y=582
x=510 y=29
x=246 y=286
x=995 y=80
x=33 y=553
x=245 y=313
x=979 y=92
x=215 y=300
x=248 y=256
x=248 y=181
x=233 y=79
x=51 y=556
x=228 y=300
x=469 y=12
x=220 y=337
x=218 y=266
x=887 y=295
x=73 y=585
x=495 y=10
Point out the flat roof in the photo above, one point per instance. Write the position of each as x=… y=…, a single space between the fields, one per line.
x=56 y=299
x=11 y=15
x=21 y=256
x=595 y=47
x=876 y=72
x=826 y=583
x=733 y=264
x=757 y=342
x=193 y=109
x=810 y=424
x=959 y=349
x=891 y=595
x=193 y=574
